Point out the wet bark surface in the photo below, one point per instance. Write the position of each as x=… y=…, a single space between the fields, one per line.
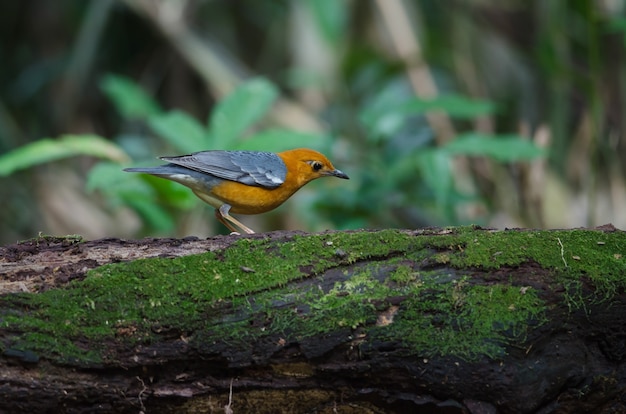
x=571 y=361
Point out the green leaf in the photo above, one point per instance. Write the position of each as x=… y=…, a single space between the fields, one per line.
x=172 y=193
x=143 y=193
x=616 y=25
x=47 y=150
x=386 y=120
x=436 y=172
x=130 y=99
x=111 y=179
x=331 y=17
x=454 y=106
x=239 y=110
x=379 y=115
x=505 y=148
x=383 y=124
x=277 y=140
x=181 y=130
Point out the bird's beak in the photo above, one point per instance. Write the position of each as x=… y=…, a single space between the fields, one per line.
x=338 y=174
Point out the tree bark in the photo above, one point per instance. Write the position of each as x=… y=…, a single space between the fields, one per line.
x=462 y=320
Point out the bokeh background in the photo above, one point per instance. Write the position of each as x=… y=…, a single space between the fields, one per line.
x=505 y=114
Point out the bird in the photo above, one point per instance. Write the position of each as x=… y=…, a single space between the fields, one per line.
x=244 y=182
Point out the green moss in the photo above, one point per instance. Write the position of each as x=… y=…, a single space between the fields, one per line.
x=593 y=254
x=274 y=293
x=403 y=275
x=467 y=321
x=350 y=303
x=115 y=300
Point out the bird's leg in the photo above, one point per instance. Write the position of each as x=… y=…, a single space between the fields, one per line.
x=229 y=221
x=229 y=226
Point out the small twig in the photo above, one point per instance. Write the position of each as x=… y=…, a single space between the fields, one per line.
x=144 y=389
x=562 y=251
x=227 y=408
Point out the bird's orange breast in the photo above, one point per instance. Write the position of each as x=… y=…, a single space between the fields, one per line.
x=246 y=199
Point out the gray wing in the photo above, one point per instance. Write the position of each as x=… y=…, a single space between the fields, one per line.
x=262 y=169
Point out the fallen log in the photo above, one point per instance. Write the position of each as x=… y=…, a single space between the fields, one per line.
x=459 y=320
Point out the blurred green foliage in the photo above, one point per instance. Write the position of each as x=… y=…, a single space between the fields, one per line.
x=441 y=113
x=47 y=150
x=226 y=128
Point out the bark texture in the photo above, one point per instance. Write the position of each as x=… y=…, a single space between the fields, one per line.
x=464 y=320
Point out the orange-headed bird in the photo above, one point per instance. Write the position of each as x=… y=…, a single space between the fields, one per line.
x=244 y=182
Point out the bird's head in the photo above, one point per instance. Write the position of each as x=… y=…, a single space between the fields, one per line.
x=307 y=165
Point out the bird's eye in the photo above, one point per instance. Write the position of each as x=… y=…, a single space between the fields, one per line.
x=317 y=165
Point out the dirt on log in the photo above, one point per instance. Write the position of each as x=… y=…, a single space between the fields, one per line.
x=458 y=320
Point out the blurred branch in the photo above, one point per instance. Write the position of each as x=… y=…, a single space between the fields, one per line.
x=220 y=70
x=169 y=18
x=465 y=62
x=407 y=47
x=405 y=41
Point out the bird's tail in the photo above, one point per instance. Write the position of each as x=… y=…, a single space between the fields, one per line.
x=195 y=180
x=161 y=170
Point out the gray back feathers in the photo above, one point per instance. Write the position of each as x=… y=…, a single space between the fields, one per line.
x=262 y=169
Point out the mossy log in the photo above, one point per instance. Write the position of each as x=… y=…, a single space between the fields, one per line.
x=459 y=320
